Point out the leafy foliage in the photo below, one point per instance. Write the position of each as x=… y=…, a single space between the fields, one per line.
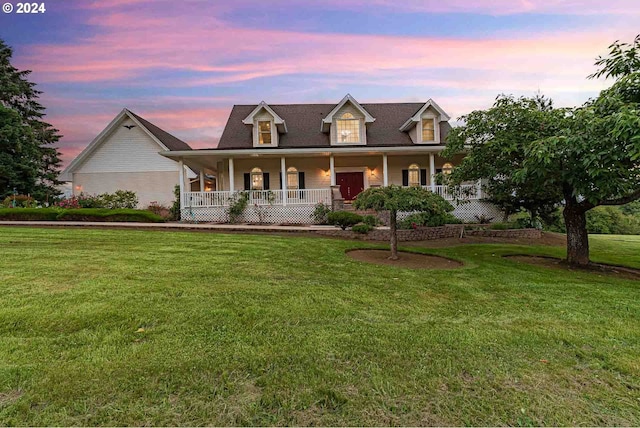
x=29 y=162
x=581 y=157
x=117 y=200
x=427 y=219
x=80 y=214
x=362 y=228
x=175 y=206
x=343 y=219
x=320 y=213
x=371 y=220
x=24 y=201
x=497 y=140
x=237 y=204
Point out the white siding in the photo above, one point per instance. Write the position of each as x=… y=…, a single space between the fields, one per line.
x=127 y=150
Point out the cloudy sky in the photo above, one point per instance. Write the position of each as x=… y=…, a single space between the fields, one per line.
x=182 y=64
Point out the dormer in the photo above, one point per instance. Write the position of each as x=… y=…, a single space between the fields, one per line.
x=347 y=123
x=424 y=126
x=267 y=125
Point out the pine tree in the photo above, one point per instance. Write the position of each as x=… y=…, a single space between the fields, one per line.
x=29 y=159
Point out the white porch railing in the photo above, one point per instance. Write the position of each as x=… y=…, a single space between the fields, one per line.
x=258 y=197
x=464 y=191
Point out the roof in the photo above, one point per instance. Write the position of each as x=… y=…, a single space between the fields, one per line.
x=304 y=132
x=172 y=143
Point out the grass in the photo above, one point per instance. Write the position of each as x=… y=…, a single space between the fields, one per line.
x=103 y=327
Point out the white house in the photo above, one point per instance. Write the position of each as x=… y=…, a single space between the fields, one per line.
x=125 y=156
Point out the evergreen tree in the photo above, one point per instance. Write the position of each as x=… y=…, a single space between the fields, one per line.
x=29 y=160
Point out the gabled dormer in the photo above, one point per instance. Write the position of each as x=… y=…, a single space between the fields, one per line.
x=267 y=125
x=424 y=126
x=347 y=123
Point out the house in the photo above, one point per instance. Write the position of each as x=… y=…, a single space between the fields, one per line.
x=125 y=156
x=291 y=157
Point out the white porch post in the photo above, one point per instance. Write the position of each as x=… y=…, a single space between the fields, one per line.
x=232 y=186
x=181 y=181
x=385 y=172
x=283 y=173
x=432 y=171
x=332 y=170
x=202 y=180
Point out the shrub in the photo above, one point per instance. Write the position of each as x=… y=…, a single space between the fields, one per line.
x=425 y=219
x=362 y=228
x=119 y=199
x=237 y=204
x=160 y=210
x=371 y=220
x=320 y=213
x=343 y=219
x=175 y=207
x=29 y=214
x=78 y=214
x=22 y=201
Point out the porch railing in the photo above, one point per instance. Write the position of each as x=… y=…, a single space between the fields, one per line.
x=464 y=191
x=257 y=197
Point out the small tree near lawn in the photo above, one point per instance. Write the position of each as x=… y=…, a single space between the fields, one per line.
x=395 y=199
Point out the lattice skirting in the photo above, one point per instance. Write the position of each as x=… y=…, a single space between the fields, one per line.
x=272 y=214
x=470 y=211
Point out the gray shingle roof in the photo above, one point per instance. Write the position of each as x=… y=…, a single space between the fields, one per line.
x=172 y=143
x=303 y=125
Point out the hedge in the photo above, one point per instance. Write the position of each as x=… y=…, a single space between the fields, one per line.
x=80 y=214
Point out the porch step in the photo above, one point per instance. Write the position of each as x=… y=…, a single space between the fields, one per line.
x=349 y=207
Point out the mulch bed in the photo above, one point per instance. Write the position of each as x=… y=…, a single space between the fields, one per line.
x=405 y=259
x=597 y=268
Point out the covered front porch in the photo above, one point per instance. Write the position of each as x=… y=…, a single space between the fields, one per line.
x=287 y=184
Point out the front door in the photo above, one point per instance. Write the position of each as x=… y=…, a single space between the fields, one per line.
x=351 y=183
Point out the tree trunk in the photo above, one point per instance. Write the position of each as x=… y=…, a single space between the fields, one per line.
x=575 y=220
x=393 y=234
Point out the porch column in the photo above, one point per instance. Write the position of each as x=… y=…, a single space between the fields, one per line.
x=232 y=183
x=283 y=173
x=181 y=181
x=202 y=180
x=432 y=171
x=332 y=170
x=385 y=172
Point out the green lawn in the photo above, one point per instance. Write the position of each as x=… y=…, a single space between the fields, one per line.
x=269 y=330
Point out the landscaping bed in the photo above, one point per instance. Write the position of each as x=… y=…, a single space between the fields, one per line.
x=405 y=260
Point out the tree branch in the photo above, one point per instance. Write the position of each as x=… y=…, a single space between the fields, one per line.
x=623 y=200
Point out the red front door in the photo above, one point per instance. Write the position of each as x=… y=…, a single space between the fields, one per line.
x=351 y=183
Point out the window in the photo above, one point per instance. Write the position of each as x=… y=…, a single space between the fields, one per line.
x=256 y=179
x=447 y=168
x=414 y=175
x=292 y=178
x=348 y=129
x=264 y=132
x=428 y=130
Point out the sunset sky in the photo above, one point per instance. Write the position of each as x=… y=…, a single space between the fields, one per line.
x=183 y=64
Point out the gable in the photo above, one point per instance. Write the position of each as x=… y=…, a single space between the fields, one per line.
x=126 y=150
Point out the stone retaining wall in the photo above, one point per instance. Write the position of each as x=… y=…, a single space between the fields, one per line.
x=509 y=233
x=430 y=233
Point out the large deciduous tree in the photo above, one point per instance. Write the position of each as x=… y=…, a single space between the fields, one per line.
x=590 y=157
x=400 y=199
x=29 y=160
x=496 y=141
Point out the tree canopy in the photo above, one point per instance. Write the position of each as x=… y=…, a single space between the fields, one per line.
x=394 y=198
x=580 y=157
x=29 y=160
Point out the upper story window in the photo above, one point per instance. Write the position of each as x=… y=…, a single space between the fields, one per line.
x=348 y=129
x=257 y=180
x=428 y=129
x=414 y=175
x=292 y=178
x=264 y=132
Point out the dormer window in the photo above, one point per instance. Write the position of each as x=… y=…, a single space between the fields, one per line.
x=428 y=129
x=348 y=129
x=264 y=132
